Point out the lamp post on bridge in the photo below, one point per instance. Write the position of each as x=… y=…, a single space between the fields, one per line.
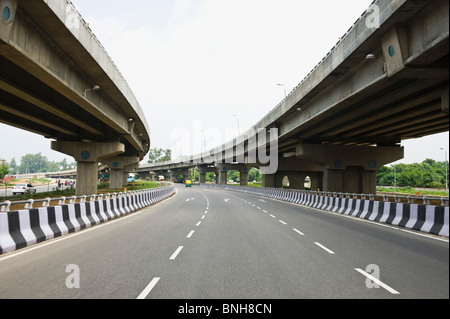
x=284 y=86
x=94 y=88
x=238 y=124
x=446 y=168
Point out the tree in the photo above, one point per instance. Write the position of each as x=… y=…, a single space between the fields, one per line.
x=158 y=155
x=4 y=169
x=254 y=175
x=210 y=176
x=233 y=175
x=33 y=164
x=13 y=166
x=429 y=173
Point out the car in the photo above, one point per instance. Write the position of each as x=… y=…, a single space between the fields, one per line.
x=24 y=189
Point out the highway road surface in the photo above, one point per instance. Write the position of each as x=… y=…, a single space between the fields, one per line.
x=210 y=244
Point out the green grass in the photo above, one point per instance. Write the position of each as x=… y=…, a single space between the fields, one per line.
x=412 y=191
x=103 y=188
x=255 y=184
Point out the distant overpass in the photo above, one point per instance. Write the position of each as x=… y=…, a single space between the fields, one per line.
x=385 y=81
x=56 y=80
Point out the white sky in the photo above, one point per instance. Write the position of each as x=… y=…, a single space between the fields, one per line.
x=194 y=63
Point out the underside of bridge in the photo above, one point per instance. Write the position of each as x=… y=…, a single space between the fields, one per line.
x=379 y=86
x=56 y=80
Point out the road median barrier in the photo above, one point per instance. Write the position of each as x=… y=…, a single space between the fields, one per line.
x=46 y=219
x=410 y=212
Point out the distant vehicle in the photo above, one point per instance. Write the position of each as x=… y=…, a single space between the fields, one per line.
x=23 y=189
x=188 y=183
x=131 y=178
x=230 y=181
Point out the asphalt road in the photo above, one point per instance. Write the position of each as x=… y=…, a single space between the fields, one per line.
x=210 y=244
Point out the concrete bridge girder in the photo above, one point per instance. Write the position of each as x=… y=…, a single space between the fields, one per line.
x=49 y=59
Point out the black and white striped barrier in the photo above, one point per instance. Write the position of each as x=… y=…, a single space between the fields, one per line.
x=20 y=229
x=421 y=217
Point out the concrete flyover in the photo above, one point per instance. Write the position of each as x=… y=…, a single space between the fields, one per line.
x=385 y=81
x=57 y=80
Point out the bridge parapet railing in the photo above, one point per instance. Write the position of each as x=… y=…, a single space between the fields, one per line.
x=424 y=214
x=8 y=206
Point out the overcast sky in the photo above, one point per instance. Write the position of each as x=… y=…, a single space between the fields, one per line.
x=212 y=65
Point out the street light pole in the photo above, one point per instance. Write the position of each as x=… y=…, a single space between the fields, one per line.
x=94 y=88
x=395 y=178
x=284 y=86
x=239 y=124
x=446 y=168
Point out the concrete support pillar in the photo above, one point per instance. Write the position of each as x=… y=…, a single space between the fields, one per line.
x=203 y=170
x=127 y=170
x=202 y=178
x=269 y=181
x=351 y=180
x=117 y=166
x=244 y=178
x=243 y=171
x=350 y=169
x=223 y=173
x=225 y=168
x=88 y=155
x=175 y=173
